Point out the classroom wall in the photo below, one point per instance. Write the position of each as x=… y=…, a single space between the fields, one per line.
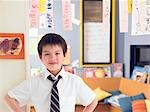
x=119 y=39
x=13 y=18
x=123 y=42
x=132 y=40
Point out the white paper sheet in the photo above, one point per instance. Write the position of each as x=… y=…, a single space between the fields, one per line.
x=140 y=17
x=96 y=46
x=123 y=15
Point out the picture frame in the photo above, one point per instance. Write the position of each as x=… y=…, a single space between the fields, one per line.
x=97 y=33
x=11 y=46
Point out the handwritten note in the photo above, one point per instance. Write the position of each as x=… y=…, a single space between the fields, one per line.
x=106 y=15
x=66 y=8
x=33 y=14
x=140 y=17
x=97 y=43
x=50 y=18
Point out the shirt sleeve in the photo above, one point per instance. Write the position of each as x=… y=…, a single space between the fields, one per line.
x=85 y=94
x=21 y=92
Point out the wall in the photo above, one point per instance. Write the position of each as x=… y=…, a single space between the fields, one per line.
x=123 y=42
x=119 y=39
x=132 y=40
x=13 y=18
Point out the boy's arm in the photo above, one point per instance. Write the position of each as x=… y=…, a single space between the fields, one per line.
x=91 y=106
x=13 y=103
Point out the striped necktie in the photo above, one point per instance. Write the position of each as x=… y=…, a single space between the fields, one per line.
x=54 y=106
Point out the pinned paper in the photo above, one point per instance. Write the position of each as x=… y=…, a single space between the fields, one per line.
x=129 y=6
x=72 y=10
x=33 y=32
x=33 y=14
x=33 y=42
x=42 y=6
x=42 y=23
x=36 y=71
x=76 y=21
x=73 y=18
x=49 y=15
x=106 y=15
x=123 y=15
x=66 y=7
x=140 y=17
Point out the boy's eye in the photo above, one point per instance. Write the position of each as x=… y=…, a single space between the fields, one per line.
x=57 y=53
x=46 y=54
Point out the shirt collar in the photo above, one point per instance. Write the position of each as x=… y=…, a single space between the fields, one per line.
x=61 y=73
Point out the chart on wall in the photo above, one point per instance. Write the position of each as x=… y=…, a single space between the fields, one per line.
x=97 y=37
x=140 y=17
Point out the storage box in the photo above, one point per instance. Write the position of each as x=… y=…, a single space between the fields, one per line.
x=126 y=86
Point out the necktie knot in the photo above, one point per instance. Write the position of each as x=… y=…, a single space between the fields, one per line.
x=54 y=81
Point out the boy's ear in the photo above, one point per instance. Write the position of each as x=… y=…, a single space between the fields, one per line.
x=65 y=54
x=40 y=56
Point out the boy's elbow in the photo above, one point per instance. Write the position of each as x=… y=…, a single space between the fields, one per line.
x=95 y=102
x=7 y=98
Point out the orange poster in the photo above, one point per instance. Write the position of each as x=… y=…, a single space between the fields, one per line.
x=11 y=46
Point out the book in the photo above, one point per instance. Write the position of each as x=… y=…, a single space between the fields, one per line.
x=138 y=72
x=89 y=72
x=117 y=70
x=79 y=71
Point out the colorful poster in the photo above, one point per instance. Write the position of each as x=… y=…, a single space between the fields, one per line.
x=89 y=72
x=11 y=46
x=117 y=70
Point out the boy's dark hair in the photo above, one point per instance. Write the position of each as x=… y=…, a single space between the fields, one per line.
x=52 y=39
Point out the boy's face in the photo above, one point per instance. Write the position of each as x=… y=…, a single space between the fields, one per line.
x=52 y=57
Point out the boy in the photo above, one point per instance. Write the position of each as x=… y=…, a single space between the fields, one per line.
x=55 y=90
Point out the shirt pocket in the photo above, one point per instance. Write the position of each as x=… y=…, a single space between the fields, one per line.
x=67 y=104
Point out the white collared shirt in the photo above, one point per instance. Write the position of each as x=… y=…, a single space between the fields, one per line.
x=72 y=90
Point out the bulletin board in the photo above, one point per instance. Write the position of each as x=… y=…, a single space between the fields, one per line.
x=97 y=32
